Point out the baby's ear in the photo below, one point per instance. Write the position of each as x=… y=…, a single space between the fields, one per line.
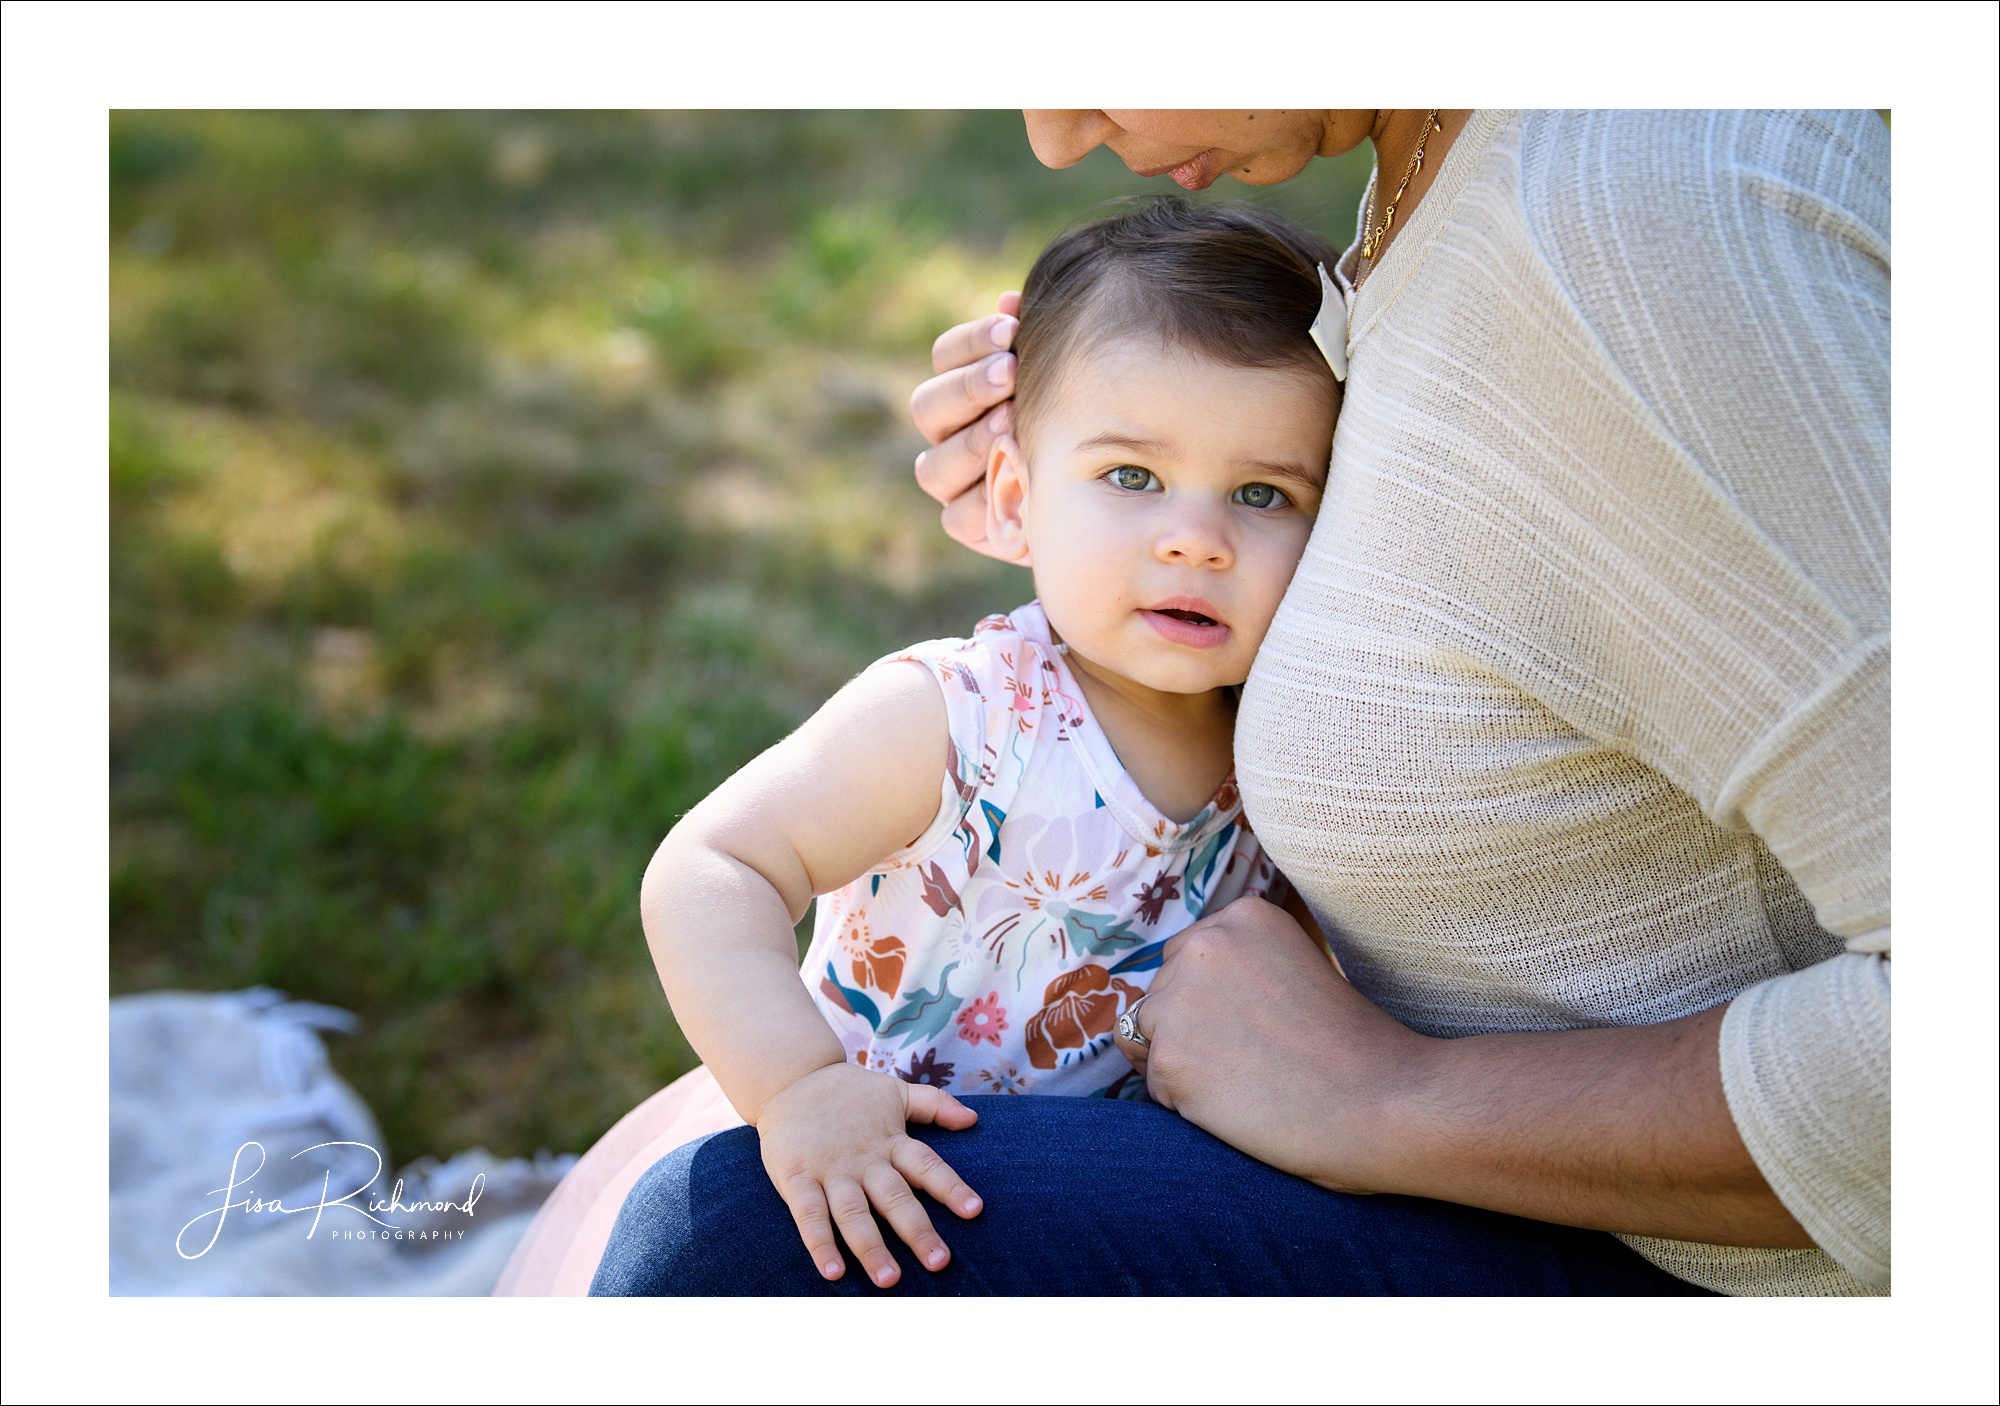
x=1007 y=500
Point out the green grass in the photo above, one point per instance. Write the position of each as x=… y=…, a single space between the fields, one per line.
x=485 y=488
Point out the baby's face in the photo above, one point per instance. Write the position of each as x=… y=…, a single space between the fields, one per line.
x=1165 y=502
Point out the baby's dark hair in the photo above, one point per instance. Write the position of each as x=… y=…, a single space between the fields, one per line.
x=1234 y=283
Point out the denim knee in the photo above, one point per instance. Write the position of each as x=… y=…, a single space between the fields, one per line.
x=655 y=1227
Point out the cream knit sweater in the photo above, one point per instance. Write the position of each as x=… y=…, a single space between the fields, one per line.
x=1577 y=713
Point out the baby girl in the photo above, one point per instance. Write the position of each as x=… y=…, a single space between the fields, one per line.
x=1003 y=831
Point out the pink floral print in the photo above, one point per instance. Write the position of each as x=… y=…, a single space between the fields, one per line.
x=983 y=1020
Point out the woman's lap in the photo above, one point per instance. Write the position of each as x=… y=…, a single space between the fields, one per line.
x=1085 y=1196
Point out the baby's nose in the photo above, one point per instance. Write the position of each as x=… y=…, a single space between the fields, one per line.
x=1195 y=540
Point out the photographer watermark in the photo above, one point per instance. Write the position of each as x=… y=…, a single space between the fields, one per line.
x=371 y=1209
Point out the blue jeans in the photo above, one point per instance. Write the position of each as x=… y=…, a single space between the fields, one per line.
x=1086 y=1196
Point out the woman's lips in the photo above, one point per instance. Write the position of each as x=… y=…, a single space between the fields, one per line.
x=1177 y=627
x=1196 y=173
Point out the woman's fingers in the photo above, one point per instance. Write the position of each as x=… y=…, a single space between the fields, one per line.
x=969 y=341
x=808 y=1206
x=975 y=375
x=899 y=1206
x=947 y=403
x=947 y=469
x=1145 y=1018
x=1169 y=972
x=848 y=1201
x=954 y=473
x=964 y=521
x=921 y=1166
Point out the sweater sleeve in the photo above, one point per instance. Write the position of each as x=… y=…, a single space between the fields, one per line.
x=1734 y=268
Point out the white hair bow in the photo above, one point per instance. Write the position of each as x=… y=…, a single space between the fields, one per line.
x=1329 y=329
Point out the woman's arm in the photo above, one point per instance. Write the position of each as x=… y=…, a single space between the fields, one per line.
x=1258 y=1039
x=1734 y=267
x=859 y=781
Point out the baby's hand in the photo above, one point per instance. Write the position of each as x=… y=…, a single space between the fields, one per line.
x=834 y=1142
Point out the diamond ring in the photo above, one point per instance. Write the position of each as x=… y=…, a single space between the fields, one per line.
x=1128 y=1024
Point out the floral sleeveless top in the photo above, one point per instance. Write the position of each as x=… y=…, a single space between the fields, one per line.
x=996 y=953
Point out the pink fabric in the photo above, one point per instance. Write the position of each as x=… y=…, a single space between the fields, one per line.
x=558 y=1256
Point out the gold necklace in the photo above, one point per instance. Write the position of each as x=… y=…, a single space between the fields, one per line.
x=1372 y=243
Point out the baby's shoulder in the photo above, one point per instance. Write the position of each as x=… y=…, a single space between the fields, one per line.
x=1005 y=694
x=981 y=664
x=1005 y=669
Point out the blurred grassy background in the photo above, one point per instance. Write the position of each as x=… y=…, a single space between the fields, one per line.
x=484 y=489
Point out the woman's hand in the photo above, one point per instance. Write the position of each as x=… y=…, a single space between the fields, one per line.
x=1257 y=1038
x=975 y=373
x=834 y=1144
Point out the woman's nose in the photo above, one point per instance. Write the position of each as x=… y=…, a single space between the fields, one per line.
x=1064 y=136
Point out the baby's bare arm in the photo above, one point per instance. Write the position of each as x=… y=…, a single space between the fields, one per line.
x=859 y=781
x=856 y=783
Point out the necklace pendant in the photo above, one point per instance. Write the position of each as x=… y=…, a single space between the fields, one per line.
x=1370 y=243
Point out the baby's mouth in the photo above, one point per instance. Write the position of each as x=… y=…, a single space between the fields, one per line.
x=1196 y=629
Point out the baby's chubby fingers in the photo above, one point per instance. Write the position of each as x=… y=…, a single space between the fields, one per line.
x=848 y=1200
x=835 y=1140
x=807 y=1201
x=926 y=1103
x=899 y=1206
x=921 y=1166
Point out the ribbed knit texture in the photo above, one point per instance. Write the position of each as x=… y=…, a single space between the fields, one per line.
x=1577 y=713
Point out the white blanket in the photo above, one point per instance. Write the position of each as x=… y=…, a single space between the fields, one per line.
x=213 y=1089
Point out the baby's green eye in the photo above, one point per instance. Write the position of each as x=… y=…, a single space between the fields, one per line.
x=1135 y=480
x=1260 y=495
